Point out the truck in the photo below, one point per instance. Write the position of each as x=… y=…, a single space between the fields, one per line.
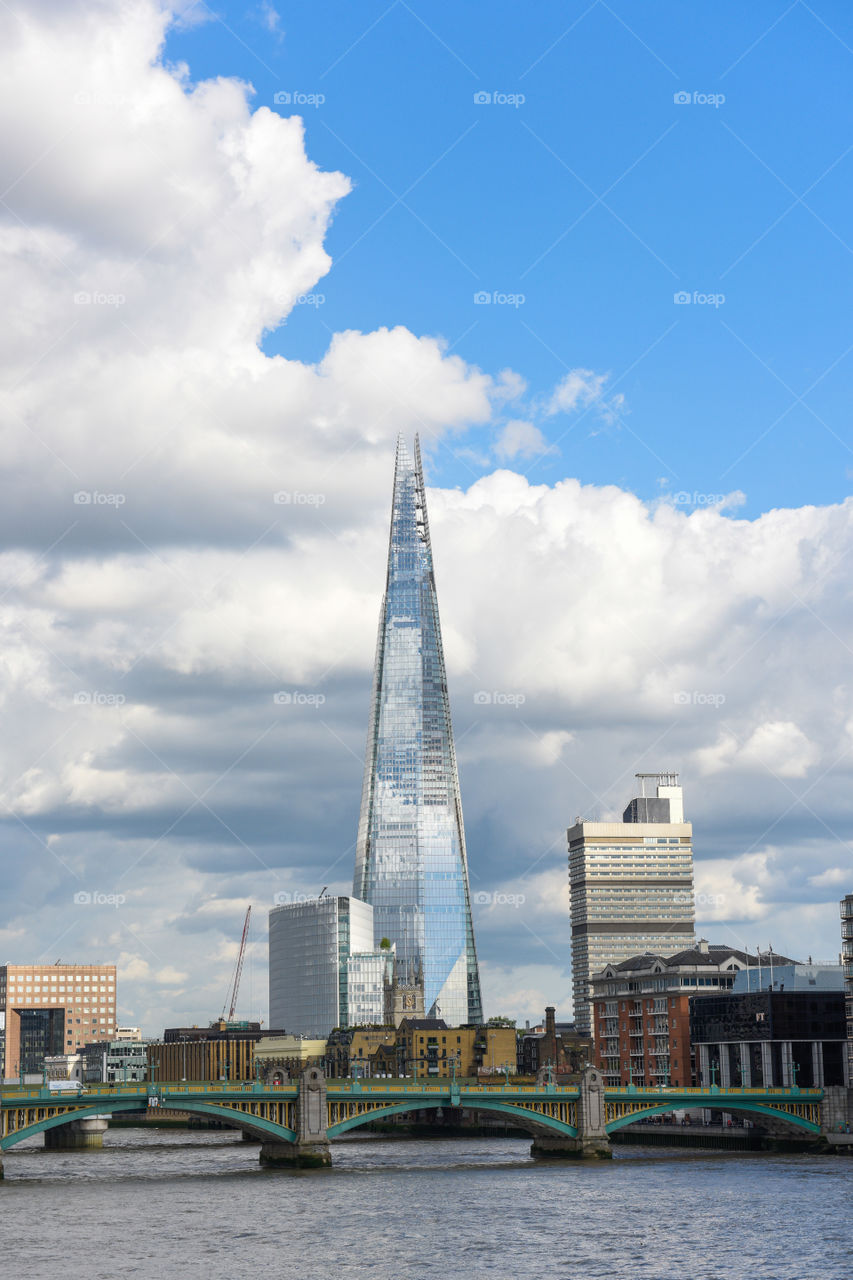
x=65 y=1086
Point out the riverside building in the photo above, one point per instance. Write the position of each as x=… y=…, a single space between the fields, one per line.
x=789 y=1032
x=641 y=1011
x=51 y=1010
x=411 y=863
x=631 y=885
x=847 y=962
x=310 y=946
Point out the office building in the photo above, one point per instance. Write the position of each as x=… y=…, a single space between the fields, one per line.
x=52 y=1010
x=631 y=885
x=370 y=977
x=222 y=1051
x=770 y=1038
x=641 y=1010
x=310 y=944
x=116 y=1061
x=847 y=962
x=411 y=863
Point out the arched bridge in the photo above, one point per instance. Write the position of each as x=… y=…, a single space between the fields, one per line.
x=296 y=1121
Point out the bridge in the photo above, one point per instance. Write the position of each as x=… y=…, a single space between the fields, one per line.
x=295 y=1122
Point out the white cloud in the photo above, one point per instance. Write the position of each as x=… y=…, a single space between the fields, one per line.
x=779 y=747
x=583 y=389
x=519 y=439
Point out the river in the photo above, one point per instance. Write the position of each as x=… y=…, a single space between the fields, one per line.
x=167 y=1203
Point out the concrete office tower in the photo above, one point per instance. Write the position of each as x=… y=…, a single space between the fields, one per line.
x=631 y=885
x=51 y=1009
x=310 y=946
x=410 y=861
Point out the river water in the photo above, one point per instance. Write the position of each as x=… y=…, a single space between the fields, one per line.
x=173 y=1204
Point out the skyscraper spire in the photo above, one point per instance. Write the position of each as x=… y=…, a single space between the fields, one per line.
x=410 y=861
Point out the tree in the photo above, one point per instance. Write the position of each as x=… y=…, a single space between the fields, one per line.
x=501 y=1021
x=385 y=944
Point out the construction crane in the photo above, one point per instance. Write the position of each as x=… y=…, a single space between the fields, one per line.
x=234 y=986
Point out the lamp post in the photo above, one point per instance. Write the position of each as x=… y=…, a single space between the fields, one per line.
x=184 y=1048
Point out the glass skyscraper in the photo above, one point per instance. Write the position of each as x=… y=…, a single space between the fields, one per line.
x=410 y=861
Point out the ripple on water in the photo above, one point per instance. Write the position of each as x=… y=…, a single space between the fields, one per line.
x=198 y=1204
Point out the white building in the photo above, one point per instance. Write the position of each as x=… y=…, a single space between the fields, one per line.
x=368 y=975
x=631 y=885
x=310 y=947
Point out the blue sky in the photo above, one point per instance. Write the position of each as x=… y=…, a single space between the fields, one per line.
x=597 y=198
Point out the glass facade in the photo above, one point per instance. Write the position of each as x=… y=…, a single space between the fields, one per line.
x=368 y=974
x=411 y=862
x=310 y=944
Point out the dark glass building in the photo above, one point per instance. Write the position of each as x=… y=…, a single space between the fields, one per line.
x=769 y=1039
x=411 y=864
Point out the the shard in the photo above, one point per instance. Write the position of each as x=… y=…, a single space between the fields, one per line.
x=410 y=862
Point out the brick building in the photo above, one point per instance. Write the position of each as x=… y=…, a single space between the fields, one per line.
x=52 y=1009
x=641 y=1011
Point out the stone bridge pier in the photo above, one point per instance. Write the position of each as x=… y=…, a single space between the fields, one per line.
x=311 y=1149
x=79 y=1135
x=592 y=1141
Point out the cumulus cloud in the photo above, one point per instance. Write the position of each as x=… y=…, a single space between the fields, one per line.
x=192 y=529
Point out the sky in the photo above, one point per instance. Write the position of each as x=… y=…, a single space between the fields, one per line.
x=599 y=257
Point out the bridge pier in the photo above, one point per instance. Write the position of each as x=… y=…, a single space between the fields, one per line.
x=592 y=1142
x=311 y=1149
x=79 y=1135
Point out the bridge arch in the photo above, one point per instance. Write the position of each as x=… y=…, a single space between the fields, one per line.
x=717 y=1104
x=258 y=1126
x=532 y=1122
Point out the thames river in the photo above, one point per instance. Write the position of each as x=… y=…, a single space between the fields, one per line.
x=174 y=1204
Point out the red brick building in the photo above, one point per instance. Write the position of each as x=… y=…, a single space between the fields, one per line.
x=641 y=1012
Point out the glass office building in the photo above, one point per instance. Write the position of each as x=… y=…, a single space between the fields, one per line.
x=410 y=862
x=309 y=949
x=369 y=978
